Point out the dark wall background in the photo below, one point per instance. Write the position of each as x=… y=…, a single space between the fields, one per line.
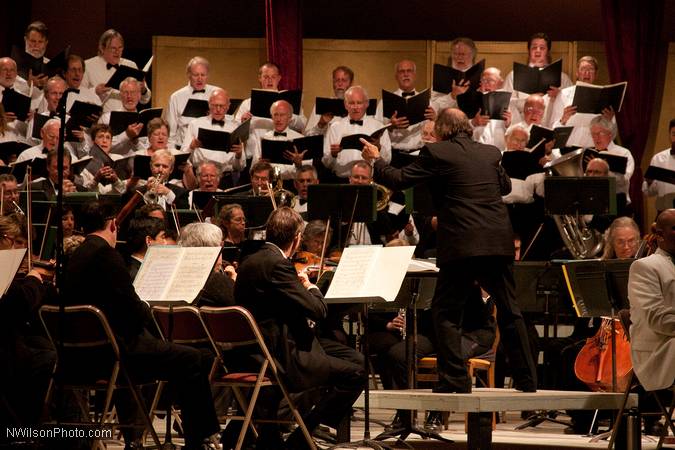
x=80 y=22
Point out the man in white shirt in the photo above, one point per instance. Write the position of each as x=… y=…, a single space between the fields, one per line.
x=462 y=56
x=282 y=112
x=304 y=176
x=406 y=139
x=50 y=140
x=664 y=192
x=534 y=111
x=219 y=102
x=197 y=71
x=9 y=79
x=208 y=179
x=128 y=140
x=340 y=160
x=53 y=91
x=603 y=133
x=74 y=75
x=100 y=68
x=486 y=130
x=563 y=114
x=343 y=77
x=36 y=40
x=269 y=77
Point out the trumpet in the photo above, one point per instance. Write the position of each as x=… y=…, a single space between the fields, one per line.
x=151 y=197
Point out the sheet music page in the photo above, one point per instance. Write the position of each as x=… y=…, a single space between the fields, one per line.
x=155 y=274
x=390 y=268
x=422 y=265
x=10 y=260
x=352 y=274
x=191 y=274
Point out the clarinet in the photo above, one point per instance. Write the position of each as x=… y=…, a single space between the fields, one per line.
x=402 y=313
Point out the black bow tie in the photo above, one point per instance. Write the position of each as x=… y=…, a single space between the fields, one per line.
x=52 y=114
x=218 y=122
x=407 y=94
x=197 y=91
x=355 y=122
x=280 y=133
x=302 y=201
x=9 y=89
x=77 y=91
x=108 y=66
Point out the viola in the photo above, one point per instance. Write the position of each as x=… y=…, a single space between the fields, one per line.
x=593 y=364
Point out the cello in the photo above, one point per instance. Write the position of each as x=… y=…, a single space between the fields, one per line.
x=593 y=364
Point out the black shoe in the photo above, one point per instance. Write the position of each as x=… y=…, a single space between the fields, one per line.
x=575 y=429
x=434 y=422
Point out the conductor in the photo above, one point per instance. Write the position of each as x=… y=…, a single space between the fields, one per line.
x=475 y=243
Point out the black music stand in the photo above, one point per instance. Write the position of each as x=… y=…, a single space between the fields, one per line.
x=577 y=195
x=333 y=202
x=599 y=288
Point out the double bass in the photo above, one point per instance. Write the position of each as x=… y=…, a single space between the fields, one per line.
x=593 y=365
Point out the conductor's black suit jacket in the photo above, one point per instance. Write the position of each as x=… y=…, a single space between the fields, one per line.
x=268 y=286
x=466 y=182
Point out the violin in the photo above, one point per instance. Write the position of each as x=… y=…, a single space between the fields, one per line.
x=310 y=263
x=593 y=364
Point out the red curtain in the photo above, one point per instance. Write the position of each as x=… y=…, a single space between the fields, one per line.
x=636 y=53
x=283 y=23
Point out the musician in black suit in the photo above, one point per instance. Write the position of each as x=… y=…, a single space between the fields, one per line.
x=96 y=274
x=284 y=303
x=475 y=243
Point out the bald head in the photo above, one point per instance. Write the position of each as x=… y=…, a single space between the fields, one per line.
x=219 y=103
x=491 y=80
x=7 y=72
x=597 y=167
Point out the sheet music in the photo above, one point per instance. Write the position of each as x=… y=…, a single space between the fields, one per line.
x=154 y=275
x=191 y=275
x=370 y=271
x=10 y=260
x=422 y=265
x=352 y=272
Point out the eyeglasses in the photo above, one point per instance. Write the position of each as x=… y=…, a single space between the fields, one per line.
x=238 y=220
x=534 y=109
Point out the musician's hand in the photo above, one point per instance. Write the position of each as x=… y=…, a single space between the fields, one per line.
x=134 y=130
x=10 y=116
x=304 y=279
x=69 y=186
x=396 y=324
x=30 y=115
x=553 y=92
x=459 y=89
x=230 y=271
x=399 y=122
x=334 y=150
x=102 y=90
x=430 y=114
x=434 y=223
x=370 y=151
x=608 y=113
x=408 y=229
x=105 y=173
x=78 y=134
x=237 y=149
x=325 y=120
x=196 y=143
x=480 y=120
x=295 y=156
x=246 y=116
x=548 y=147
x=568 y=112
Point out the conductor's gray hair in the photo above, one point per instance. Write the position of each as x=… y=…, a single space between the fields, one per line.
x=200 y=235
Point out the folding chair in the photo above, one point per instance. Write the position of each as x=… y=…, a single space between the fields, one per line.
x=633 y=382
x=233 y=327
x=77 y=334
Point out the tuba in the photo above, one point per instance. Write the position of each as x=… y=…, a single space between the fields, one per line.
x=582 y=242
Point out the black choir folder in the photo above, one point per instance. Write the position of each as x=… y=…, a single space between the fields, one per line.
x=119 y=163
x=26 y=62
x=616 y=163
x=82 y=114
x=199 y=108
x=559 y=135
x=39 y=121
x=533 y=80
x=660 y=174
x=369 y=273
x=592 y=99
x=412 y=107
x=273 y=150
x=120 y=120
x=444 y=76
x=491 y=104
x=124 y=72
x=38 y=168
x=173 y=273
x=16 y=103
x=222 y=140
x=353 y=141
x=262 y=99
x=336 y=106
x=10 y=150
x=521 y=163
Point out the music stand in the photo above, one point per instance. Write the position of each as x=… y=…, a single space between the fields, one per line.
x=357 y=202
x=257 y=209
x=580 y=195
x=599 y=288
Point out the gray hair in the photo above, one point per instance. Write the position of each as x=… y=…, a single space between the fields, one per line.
x=200 y=235
x=513 y=128
x=219 y=169
x=352 y=89
x=610 y=234
x=197 y=60
x=608 y=125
